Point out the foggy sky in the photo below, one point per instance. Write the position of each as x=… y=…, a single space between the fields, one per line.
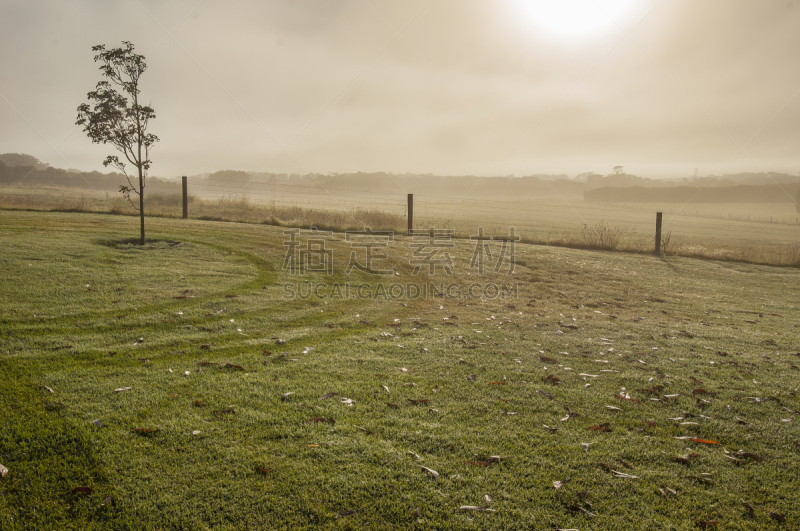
x=467 y=87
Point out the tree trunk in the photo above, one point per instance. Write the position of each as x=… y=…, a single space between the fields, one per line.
x=140 y=163
x=141 y=205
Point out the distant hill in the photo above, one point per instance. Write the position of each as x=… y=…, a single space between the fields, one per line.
x=37 y=174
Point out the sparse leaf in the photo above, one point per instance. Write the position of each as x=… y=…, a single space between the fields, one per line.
x=704 y=441
x=432 y=472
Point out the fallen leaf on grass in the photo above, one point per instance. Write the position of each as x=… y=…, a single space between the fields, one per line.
x=51 y=391
x=627 y=399
x=604 y=427
x=614 y=408
x=98 y=423
x=750 y=456
x=419 y=401
x=121 y=389
x=623 y=475
x=393 y=406
x=475 y=508
x=206 y=346
x=284 y=396
x=546 y=395
x=54 y=405
x=776 y=516
x=82 y=490
x=146 y=431
x=222 y=414
x=703 y=441
x=385 y=389
x=549 y=428
x=345 y=513
x=312 y=446
x=3 y=471
x=735 y=460
x=432 y=472
x=548 y=360
x=327 y=395
x=553 y=380
x=264 y=470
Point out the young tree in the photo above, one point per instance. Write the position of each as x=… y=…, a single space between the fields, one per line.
x=114 y=116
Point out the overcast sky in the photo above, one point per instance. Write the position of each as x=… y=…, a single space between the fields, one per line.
x=427 y=86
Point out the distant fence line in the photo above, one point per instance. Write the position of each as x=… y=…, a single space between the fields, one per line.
x=747 y=234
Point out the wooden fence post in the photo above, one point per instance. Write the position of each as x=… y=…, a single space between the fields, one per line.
x=185 y=187
x=658 y=233
x=410 y=212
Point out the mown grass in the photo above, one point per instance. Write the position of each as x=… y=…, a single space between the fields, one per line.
x=728 y=329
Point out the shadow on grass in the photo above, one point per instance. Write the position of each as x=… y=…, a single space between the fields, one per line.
x=48 y=456
x=133 y=243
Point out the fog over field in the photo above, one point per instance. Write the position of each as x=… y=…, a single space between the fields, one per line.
x=399 y=264
x=441 y=87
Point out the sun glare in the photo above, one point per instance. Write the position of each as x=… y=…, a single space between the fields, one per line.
x=574 y=19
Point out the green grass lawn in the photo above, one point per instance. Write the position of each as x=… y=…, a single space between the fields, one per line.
x=703 y=349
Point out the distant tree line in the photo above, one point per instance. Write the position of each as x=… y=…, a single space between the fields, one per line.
x=49 y=176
